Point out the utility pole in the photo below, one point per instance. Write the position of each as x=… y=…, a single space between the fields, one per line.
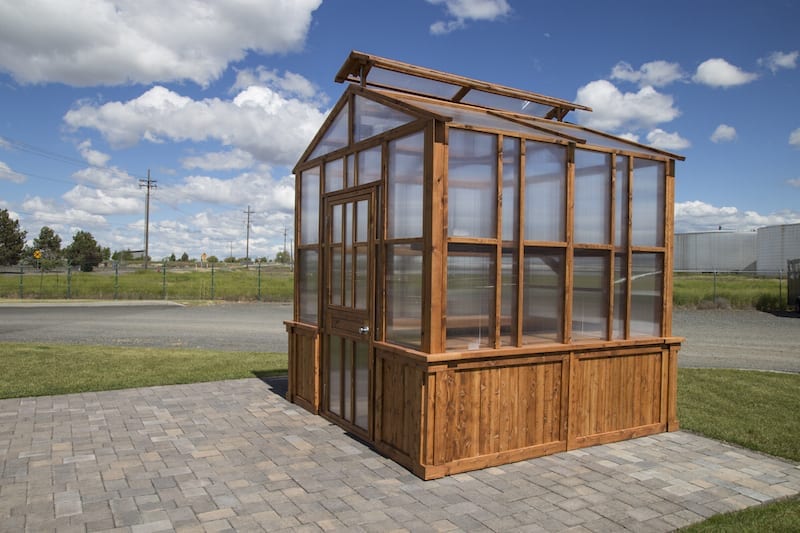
x=284 y=237
x=147 y=184
x=247 y=250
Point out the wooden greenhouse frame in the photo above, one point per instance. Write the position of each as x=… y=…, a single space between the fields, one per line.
x=477 y=280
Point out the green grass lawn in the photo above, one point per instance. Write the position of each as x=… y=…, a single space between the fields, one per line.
x=42 y=369
x=757 y=410
x=270 y=283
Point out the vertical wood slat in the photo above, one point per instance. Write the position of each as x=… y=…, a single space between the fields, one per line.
x=510 y=406
x=434 y=284
x=576 y=386
x=377 y=407
x=629 y=251
x=672 y=392
x=498 y=260
x=487 y=437
x=669 y=244
x=520 y=232
x=428 y=436
x=613 y=256
x=445 y=415
x=569 y=253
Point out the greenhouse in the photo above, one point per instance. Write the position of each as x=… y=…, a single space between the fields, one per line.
x=479 y=281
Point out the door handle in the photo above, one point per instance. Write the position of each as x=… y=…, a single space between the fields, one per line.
x=363 y=330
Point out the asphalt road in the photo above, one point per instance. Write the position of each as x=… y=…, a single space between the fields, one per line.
x=717 y=338
x=231 y=327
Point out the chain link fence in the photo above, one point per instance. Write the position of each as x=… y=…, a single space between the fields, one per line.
x=730 y=289
x=167 y=281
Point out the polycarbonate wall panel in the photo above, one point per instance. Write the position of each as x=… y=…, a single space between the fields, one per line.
x=336 y=276
x=649 y=183
x=545 y=192
x=647 y=281
x=369 y=164
x=472 y=184
x=335 y=373
x=590 y=295
x=362 y=385
x=334 y=175
x=309 y=206
x=405 y=187
x=620 y=295
x=372 y=118
x=470 y=297
x=543 y=295
x=621 y=202
x=511 y=149
x=592 y=197
x=308 y=285
x=508 y=297
x=404 y=294
x=336 y=135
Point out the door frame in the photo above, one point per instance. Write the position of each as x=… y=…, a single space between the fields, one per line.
x=345 y=321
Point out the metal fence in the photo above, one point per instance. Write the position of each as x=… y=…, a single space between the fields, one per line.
x=176 y=281
x=762 y=289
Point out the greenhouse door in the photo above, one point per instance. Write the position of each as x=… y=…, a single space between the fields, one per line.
x=348 y=321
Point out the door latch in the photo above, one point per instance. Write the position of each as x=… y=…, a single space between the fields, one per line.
x=363 y=330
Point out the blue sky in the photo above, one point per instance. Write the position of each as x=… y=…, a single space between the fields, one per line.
x=219 y=99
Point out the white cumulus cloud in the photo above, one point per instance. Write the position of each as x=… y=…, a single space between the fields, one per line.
x=794 y=182
x=615 y=110
x=723 y=133
x=9 y=175
x=794 y=138
x=257 y=188
x=258 y=120
x=461 y=11
x=659 y=138
x=779 y=60
x=654 y=73
x=230 y=160
x=696 y=215
x=717 y=72
x=93 y=157
x=110 y=42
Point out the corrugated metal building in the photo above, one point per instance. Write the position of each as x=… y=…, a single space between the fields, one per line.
x=777 y=245
x=716 y=251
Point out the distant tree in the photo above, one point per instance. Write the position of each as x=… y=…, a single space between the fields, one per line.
x=122 y=255
x=12 y=239
x=106 y=253
x=172 y=257
x=230 y=259
x=84 y=251
x=48 y=244
x=185 y=257
x=212 y=259
x=283 y=257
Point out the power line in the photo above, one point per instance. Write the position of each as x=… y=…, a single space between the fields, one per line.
x=54 y=156
x=148 y=184
x=247 y=250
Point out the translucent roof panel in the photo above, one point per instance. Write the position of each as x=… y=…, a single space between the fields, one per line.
x=475 y=117
x=335 y=136
x=548 y=129
x=606 y=141
x=498 y=101
x=379 y=72
x=372 y=118
x=395 y=80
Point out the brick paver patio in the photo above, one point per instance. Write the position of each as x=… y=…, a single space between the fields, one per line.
x=234 y=455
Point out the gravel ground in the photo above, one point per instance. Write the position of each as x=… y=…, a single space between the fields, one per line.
x=738 y=339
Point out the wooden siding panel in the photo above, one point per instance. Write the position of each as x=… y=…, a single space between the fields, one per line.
x=616 y=392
